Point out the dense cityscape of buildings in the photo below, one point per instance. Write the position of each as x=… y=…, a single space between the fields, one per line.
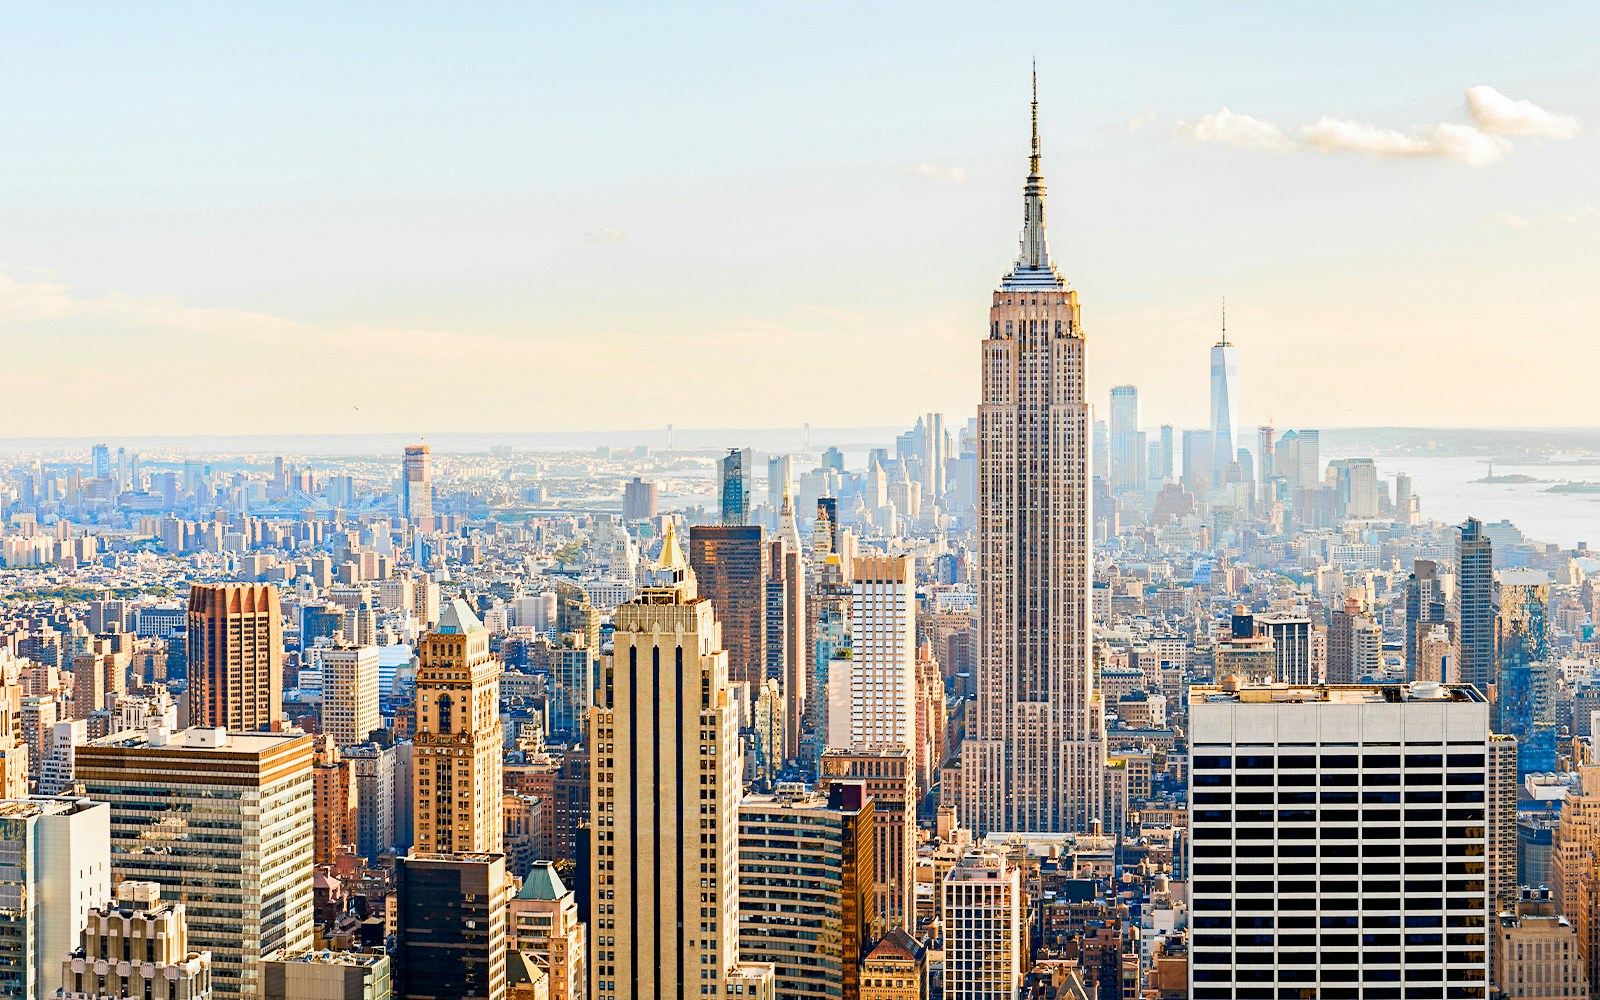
x=1035 y=705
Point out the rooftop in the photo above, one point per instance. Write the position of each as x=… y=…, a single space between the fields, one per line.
x=1333 y=694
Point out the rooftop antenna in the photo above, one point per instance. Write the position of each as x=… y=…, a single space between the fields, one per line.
x=1224 y=321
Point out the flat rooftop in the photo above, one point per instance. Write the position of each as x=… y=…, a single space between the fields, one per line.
x=199 y=738
x=1334 y=694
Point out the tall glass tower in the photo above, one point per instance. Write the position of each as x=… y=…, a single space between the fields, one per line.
x=1224 y=403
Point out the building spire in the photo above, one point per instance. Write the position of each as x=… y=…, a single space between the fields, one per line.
x=1224 y=321
x=1033 y=159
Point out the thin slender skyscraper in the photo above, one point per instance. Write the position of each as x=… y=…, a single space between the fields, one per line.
x=1125 y=446
x=1035 y=752
x=416 y=484
x=1474 y=606
x=1224 y=402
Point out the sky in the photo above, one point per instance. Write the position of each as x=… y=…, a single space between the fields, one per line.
x=363 y=218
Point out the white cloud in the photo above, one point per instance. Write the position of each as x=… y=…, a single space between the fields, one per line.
x=1511 y=219
x=1498 y=114
x=953 y=174
x=1451 y=142
x=606 y=236
x=1494 y=118
x=1233 y=129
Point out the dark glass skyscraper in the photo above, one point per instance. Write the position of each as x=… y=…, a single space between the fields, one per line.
x=1474 y=606
x=734 y=495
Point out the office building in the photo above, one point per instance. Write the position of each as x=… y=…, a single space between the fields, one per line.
x=788 y=658
x=1525 y=674
x=1426 y=605
x=56 y=867
x=1126 y=454
x=984 y=930
x=1575 y=865
x=883 y=677
x=1266 y=456
x=544 y=922
x=1537 y=951
x=1473 y=607
x=327 y=975
x=456 y=767
x=1224 y=402
x=731 y=569
x=806 y=892
x=350 y=697
x=663 y=887
x=641 y=500
x=1034 y=758
x=1291 y=647
x=1371 y=874
x=450 y=926
x=416 y=485
x=375 y=772
x=334 y=816
x=235 y=656
x=889 y=776
x=780 y=476
x=136 y=945
x=222 y=821
x=734 y=495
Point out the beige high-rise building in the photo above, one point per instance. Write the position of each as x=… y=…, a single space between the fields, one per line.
x=1035 y=750
x=235 y=656
x=1536 y=949
x=14 y=757
x=137 y=945
x=544 y=921
x=984 y=930
x=223 y=822
x=350 y=699
x=883 y=652
x=664 y=795
x=1575 y=863
x=456 y=770
x=889 y=774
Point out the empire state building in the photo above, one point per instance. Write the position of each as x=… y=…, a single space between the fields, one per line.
x=1034 y=759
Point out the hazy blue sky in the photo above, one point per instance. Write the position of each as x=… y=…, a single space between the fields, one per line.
x=468 y=217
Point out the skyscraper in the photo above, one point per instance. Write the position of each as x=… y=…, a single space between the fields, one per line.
x=730 y=565
x=222 y=822
x=664 y=794
x=416 y=484
x=1425 y=606
x=1125 y=450
x=883 y=652
x=889 y=775
x=1035 y=751
x=1224 y=402
x=806 y=899
x=350 y=709
x=1474 y=606
x=450 y=925
x=985 y=930
x=456 y=773
x=734 y=495
x=640 y=499
x=780 y=474
x=57 y=866
x=235 y=656
x=1377 y=839
x=1265 y=454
